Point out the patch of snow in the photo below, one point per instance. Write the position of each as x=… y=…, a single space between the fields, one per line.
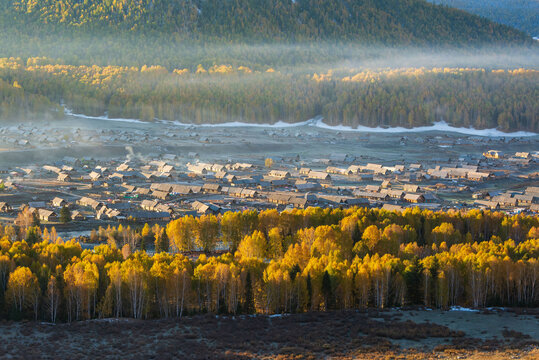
x=278 y=124
x=103 y=118
x=111 y=320
x=438 y=126
x=496 y=308
x=318 y=122
x=277 y=315
x=460 y=308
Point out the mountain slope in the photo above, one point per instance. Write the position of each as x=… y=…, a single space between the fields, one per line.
x=388 y=21
x=520 y=14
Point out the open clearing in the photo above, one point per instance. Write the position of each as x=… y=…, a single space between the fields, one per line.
x=393 y=334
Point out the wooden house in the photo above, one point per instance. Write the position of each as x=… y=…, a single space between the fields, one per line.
x=63 y=177
x=411 y=188
x=279 y=174
x=58 y=202
x=414 y=198
x=77 y=216
x=160 y=195
x=149 y=204
x=319 y=175
x=210 y=188
x=47 y=215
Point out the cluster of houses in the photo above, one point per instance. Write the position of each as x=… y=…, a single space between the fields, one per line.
x=168 y=186
x=528 y=199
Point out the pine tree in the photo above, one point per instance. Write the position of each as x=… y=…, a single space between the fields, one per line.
x=327 y=291
x=32 y=235
x=65 y=215
x=309 y=292
x=356 y=234
x=413 y=277
x=161 y=241
x=249 y=305
x=142 y=244
x=294 y=272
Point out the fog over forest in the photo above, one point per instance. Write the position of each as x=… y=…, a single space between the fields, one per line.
x=389 y=63
x=344 y=83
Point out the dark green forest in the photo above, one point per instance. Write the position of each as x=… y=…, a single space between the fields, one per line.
x=520 y=14
x=387 y=21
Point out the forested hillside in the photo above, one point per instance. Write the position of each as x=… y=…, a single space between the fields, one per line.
x=387 y=21
x=294 y=261
x=520 y=14
x=210 y=61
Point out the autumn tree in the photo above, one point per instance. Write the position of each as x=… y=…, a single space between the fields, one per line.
x=180 y=283
x=22 y=290
x=231 y=228
x=207 y=232
x=53 y=298
x=135 y=276
x=253 y=246
x=81 y=283
x=115 y=292
x=182 y=232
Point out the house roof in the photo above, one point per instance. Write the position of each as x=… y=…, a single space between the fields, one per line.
x=211 y=187
x=413 y=197
x=57 y=201
x=149 y=204
x=391 y=207
x=161 y=187
x=160 y=194
x=181 y=189
x=45 y=213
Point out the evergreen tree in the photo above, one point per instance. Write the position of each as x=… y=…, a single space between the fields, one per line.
x=142 y=244
x=36 y=221
x=327 y=291
x=294 y=272
x=249 y=304
x=32 y=235
x=161 y=241
x=356 y=234
x=413 y=276
x=65 y=214
x=309 y=291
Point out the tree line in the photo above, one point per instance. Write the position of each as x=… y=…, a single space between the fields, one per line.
x=295 y=261
x=480 y=98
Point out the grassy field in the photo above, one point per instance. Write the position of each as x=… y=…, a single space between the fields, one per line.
x=393 y=334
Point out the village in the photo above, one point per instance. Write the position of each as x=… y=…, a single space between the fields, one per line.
x=125 y=178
